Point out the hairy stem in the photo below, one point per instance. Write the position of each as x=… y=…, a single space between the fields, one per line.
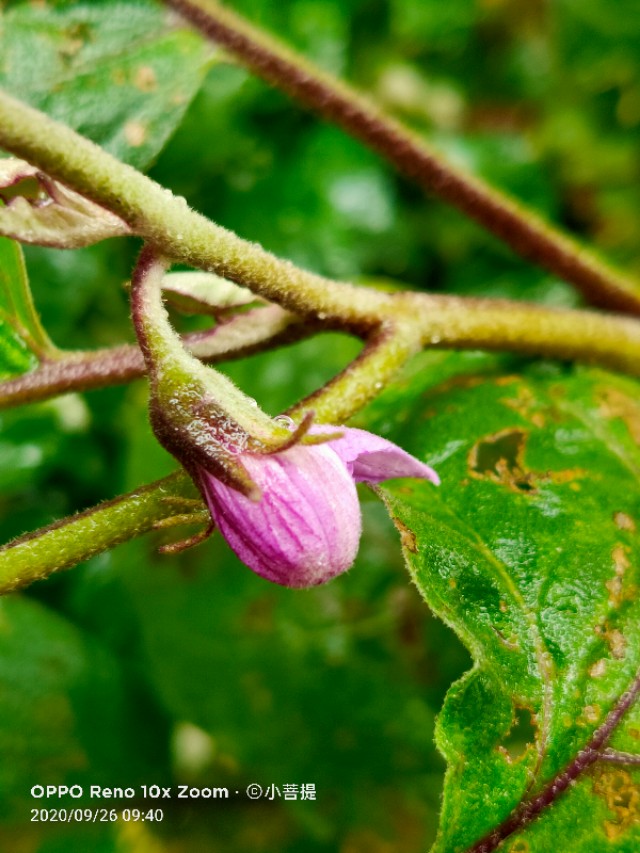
x=615 y=756
x=449 y=322
x=245 y=334
x=168 y=224
x=384 y=354
x=73 y=540
x=443 y=322
x=523 y=230
x=187 y=236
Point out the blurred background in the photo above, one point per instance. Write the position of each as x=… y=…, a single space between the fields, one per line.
x=141 y=669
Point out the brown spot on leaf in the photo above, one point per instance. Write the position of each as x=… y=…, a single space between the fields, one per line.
x=568 y=475
x=74 y=39
x=598 y=669
x=455 y=383
x=507 y=380
x=520 y=846
x=526 y=405
x=145 y=79
x=624 y=522
x=499 y=457
x=622 y=797
x=118 y=77
x=405 y=490
x=590 y=714
x=407 y=536
x=135 y=132
x=620 y=559
x=616 y=404
x=615 y=591
x=614 y=638
x=618 y=591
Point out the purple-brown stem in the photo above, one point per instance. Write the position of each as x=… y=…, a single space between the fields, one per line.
x=243 y=335
x=616 y=756
x=594 y=751
x=525 y=232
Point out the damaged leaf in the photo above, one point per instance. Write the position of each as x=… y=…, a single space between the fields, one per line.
x=121 y=72
x=529 y=552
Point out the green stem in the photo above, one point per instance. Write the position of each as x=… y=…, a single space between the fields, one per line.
x=523 y=230
x=168 y=224
x=501 y=325
x=75 y=539
x=180 y=384
x=449 y=322
x=361 y=381
x=443 y=322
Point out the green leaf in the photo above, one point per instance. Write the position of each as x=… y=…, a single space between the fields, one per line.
x=68 y=714
x=22 y=338
x=529 y=551
x=118 y=72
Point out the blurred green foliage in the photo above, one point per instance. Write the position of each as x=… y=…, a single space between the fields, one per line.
x=238 y=681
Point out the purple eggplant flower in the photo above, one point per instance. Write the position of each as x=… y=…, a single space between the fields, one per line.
x=306 y=526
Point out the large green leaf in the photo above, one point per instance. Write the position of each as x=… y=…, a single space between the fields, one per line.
x=22 y=338
x=118 y=72
x=529 y=551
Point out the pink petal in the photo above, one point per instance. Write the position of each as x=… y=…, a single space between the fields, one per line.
x=371 y=459
x=306 y=527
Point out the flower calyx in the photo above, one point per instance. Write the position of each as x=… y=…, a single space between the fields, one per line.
x=196 y=413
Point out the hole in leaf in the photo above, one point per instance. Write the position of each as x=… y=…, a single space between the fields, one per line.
x=499 y=457
x=521 y=736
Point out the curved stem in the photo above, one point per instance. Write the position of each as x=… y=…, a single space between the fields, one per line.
x=523 y=230
x=384 y=354
x=168 y=224
x=241 y=336
x=442 y=322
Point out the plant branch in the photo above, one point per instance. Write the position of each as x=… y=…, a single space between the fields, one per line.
x=73 y=540
x=385 y=352
x=443 y=322
x=615 y=756
x=243 y=335
x=590 y=337
x=524 y=231
x=592 y=752
x=168 y=224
